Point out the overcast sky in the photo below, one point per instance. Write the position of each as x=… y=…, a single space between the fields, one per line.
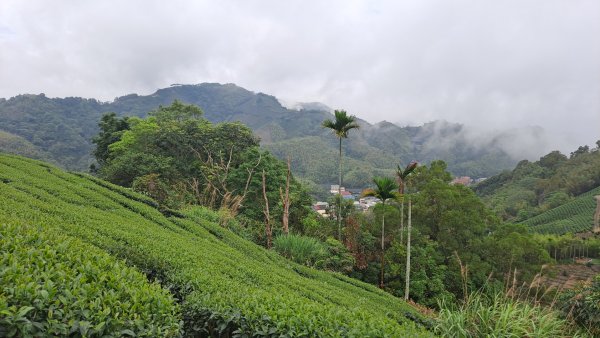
x=498 y=64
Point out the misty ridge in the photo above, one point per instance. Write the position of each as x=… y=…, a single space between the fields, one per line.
x=525 y=142
x=528 y=142
x=60 y=130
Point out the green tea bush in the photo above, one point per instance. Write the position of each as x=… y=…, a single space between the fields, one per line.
x=574 y=216
x=55 y=285
x=226 y=286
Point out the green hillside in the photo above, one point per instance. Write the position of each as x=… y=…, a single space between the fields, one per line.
x=13 y=144
x=574 y=216
x=64 y=127
x=225 y=285
x=533 y=188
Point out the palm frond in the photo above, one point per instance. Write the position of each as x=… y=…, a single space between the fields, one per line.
x=369 y=192
x=385 y=189
x=328 y=124
x=342 y=124
x=403 y=174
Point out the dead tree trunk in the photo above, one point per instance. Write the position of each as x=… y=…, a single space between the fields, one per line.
x=285 y=200
x=407 y=287
x=268 y=230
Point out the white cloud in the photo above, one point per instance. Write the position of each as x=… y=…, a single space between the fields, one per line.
x=493 y=64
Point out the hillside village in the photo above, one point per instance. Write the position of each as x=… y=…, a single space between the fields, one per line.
x=360 y=203
x=365 y=203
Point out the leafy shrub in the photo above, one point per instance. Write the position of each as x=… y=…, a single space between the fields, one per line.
x=582 y=305
x=54 y=285
x=301 y=249
x=499 y=316
x=330 y=255
x=338 y=257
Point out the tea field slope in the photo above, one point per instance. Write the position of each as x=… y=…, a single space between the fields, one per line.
x=574 y=216
x=226 y=286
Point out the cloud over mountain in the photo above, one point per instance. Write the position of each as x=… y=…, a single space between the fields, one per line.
x=481 y=63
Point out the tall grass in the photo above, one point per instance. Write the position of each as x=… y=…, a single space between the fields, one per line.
x=304 y=250
x=500 y=316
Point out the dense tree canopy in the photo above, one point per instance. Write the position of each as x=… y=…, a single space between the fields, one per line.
x=178 y=157
x=452 y=227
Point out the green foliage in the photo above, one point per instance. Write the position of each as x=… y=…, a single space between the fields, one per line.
x=428 y=271
x=341 y=124
x=338 y=257
x=312 y=156
x=60 y=129
x=227 y=286
x=178 y=158
x=567 y=246
x=317 y=226
x=450 y=223
x=451 y=215
x=499 y=316
x=577 y=215
x=535 y=187
x=111 y=130
x=330 y=255
x=511 y=247
x=459 y=224
x=223 y=217
x=304 y=250
x=55 y=285
x=385 y=189
x=402 y=175
x=582 y=305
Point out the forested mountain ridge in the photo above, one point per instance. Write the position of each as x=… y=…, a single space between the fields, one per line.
x=532 y=188
x=63 y=128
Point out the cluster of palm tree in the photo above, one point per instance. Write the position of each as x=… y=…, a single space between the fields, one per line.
x=386 y=189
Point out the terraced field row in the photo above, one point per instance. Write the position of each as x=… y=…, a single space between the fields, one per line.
x=574 y=216
x=226 y=285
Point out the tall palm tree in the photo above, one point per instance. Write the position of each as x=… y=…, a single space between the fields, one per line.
x=401 y=177
x=340 y=127
x=407 y=284
x=385 y=189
